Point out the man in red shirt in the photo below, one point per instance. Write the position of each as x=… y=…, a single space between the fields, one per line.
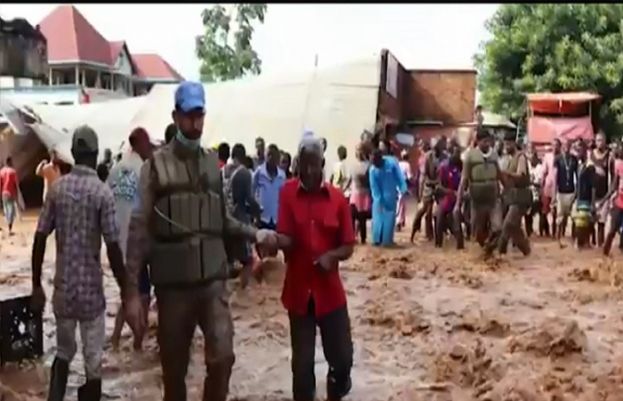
x=316 y=233
x=9 y=190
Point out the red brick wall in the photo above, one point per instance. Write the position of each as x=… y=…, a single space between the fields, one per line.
x=446 y=96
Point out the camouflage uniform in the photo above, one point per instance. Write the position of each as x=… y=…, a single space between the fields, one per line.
x=517 y=199
x=182 y=230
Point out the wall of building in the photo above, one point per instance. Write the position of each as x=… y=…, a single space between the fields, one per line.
x=22 y=56
x=123 y=65
x=448 y=96
x=62 y=94
x=392 y=91
x=15 y=82
x=68 y=94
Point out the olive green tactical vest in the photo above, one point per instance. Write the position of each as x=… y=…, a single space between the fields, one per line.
x=483 y=178
x=187 y=220
x=518 y=193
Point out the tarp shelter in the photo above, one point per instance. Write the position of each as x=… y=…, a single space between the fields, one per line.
x=566 y=116
x=31 y=131
x=337 y=103
x=110 y=120
x=545 y=129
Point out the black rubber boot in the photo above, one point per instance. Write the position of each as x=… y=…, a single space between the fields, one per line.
x=338 y=385
x=58 y=380
x=90 y=391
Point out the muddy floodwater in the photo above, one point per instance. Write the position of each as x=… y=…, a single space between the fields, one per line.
x=428 y=324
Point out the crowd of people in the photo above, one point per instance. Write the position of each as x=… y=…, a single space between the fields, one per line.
x=196 y=218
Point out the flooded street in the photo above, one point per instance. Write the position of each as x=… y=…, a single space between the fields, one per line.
x=427 y=324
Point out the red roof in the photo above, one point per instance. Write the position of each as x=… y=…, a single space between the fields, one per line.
x=115 y=49
x=564 y=97
x=71 y=38
x=568 y=103
x=152 y=66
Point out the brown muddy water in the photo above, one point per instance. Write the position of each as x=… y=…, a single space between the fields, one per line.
x=428 y=324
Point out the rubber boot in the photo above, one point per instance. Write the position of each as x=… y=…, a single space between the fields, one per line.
x=90 y=391
x=338 y=385
x=58 y=380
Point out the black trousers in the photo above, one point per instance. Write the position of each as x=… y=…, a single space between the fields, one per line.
x=338 y=351
x=444 y=221
x=360 y=222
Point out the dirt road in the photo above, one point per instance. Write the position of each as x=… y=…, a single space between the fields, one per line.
x=428 y=324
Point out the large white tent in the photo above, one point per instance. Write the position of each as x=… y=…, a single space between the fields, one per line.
x=337 y=103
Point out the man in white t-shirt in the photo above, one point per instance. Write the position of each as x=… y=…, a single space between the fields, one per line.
x=340 y=176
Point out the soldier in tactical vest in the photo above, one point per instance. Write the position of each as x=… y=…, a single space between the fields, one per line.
x=181 y=230
x=517 y=196
x=482 y=178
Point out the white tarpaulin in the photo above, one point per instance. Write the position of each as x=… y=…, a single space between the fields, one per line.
x=337 y=103
x=110 y=120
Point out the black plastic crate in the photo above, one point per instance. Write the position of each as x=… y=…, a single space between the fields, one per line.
x=21 y=331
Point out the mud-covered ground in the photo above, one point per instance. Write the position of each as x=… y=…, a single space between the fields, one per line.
x=428 y=324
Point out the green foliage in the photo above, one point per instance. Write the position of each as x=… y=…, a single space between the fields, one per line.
x=554 y=48
x=224 y=56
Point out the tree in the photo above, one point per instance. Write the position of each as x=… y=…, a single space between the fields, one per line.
x=225 y=51
x=554 y=48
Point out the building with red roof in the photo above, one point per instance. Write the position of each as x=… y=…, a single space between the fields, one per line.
x=81 y=60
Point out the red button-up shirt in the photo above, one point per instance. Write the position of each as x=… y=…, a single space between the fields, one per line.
x=317 y=223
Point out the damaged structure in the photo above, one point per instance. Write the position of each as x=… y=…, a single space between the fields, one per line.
x=23 y=53
x=375 y=94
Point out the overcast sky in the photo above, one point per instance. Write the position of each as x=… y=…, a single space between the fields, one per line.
x=420 y=35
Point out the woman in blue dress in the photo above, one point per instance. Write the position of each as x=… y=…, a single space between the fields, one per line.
x=386 y=183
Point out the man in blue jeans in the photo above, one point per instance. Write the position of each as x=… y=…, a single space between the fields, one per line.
x=267 y=182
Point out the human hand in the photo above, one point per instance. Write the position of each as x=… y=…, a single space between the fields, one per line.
x=267 y=240
x=133 y=313
x=37 y=299
x=326 y=262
